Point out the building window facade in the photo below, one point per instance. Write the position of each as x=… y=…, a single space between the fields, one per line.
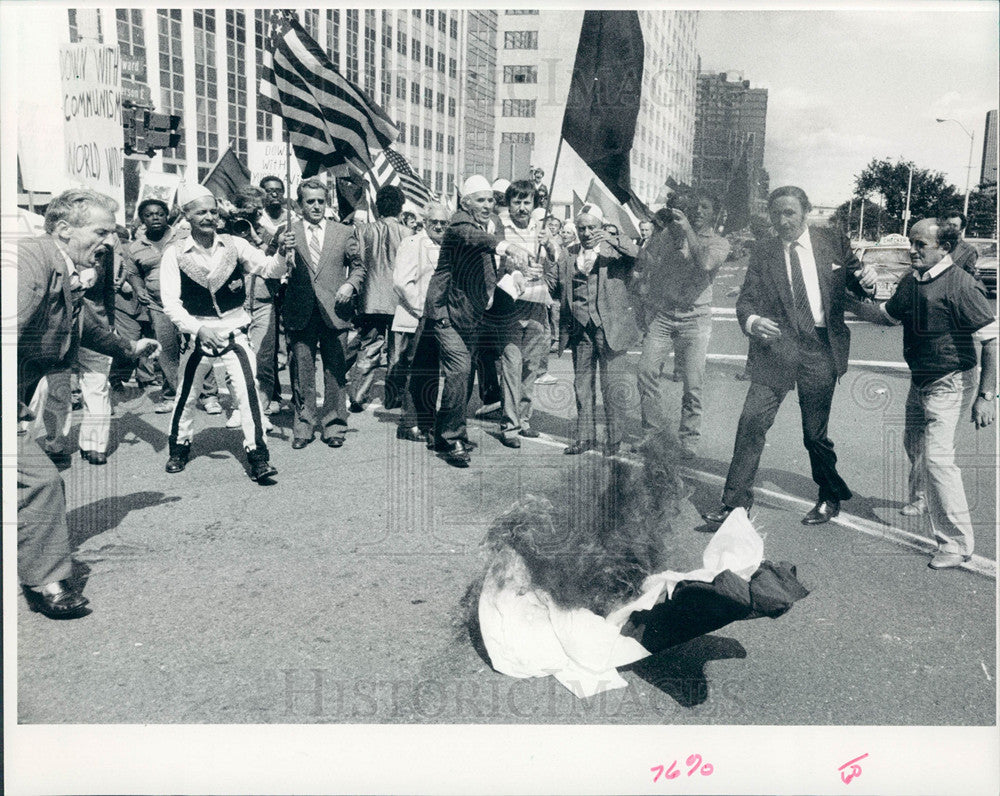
x=520 y=40
x=206 y=88
x=520 y=74
x=370 y=44
x=352 y=39
x=333 y=36
x=519 y=108
x=265 y=123
x=517 y=138
x=168 y=23
x=236 y=80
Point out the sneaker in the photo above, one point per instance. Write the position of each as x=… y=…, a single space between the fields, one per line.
x=163 y=407
x=546 y=378
x=235 y=419
x=211 y=406
x=272 y=408
x=487 y=409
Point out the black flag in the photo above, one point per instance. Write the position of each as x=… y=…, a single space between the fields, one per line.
x=603 y=101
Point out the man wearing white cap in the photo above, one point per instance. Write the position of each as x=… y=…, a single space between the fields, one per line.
x=459 y=292
x=203 y=291
x=597 y=322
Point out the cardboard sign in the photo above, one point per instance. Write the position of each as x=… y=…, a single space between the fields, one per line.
x=90 y=76
x=158 y=185
x=267 y=159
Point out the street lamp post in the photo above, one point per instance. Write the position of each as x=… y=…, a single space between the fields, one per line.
x=968 y=171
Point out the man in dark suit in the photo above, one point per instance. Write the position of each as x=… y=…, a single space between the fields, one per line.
x=52 y=320
x=791 y=307
x=459 y=292
x=327 y=273
x=965 y=255
x=597 y=322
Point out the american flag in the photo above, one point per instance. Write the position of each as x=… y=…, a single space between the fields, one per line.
x=329 y=121
x=391 y=168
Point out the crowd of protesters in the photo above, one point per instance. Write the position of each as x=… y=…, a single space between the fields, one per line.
x=243 y=288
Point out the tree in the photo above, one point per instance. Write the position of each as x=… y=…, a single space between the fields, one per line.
x=839 y=220
x=929 y=193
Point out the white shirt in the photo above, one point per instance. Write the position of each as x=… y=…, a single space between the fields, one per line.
x=585 y=260
x=253 y=261
x=311 y=229
x=809 y=276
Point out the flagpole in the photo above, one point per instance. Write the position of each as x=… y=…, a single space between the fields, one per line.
x=288 y=177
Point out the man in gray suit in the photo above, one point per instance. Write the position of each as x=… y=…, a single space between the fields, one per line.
x=598 y=323
x=327 y=273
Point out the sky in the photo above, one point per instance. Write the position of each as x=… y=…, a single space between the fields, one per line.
x=846 y=86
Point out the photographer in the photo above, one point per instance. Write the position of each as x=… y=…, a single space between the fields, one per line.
x=678 y=264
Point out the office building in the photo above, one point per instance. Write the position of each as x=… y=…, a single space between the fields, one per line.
x=988 y=171
x=731 y=117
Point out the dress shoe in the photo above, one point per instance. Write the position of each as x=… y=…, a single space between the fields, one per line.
x=487 y=409
x=163 y=407
x=948 y=560
x=412 y=434
x=509 y=442
x=580 y=446
x=94 y=457
x=61 y=459
x=719 y=516
x=914 y=509
x=235 y=420
x=261 y=469
x=179 y=454
x=530 y=433
x=823 y=511
x=56 y=600
x=356 y=407
x=300 y=442
x=457 y=454
x=334 y=442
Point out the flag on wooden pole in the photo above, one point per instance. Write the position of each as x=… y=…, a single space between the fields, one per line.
x=330 y=121
x=227 y=176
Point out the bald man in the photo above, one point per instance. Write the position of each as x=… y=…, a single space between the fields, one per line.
x=598 y=324
x=946 y=316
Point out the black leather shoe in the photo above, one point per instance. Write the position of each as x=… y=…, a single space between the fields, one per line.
x=94 y=457
x=510 y=442
x=580 y=446
x=412 y=434
x=457 y=455
x=179 y=454
x=56 y=600
x=356 y=407
x=61 y=459
x=334 y=442
x=261 y=469
x=718 y=516
x=529 y=433
x=300 y=442
x=823 y=511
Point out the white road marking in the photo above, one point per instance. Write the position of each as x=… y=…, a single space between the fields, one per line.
x=890 y=533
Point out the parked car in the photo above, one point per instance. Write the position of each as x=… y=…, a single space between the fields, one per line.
x=986 y=265
x=891 y=258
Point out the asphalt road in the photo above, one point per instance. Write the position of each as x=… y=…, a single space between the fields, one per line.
x=334 y=595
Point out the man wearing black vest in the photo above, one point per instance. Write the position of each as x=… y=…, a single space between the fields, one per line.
x=203 y=290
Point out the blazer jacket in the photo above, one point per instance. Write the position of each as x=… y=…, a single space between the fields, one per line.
x=315 y=285
x=52 y=319
x=466 y=274
x=767 y=292
x=614 y=301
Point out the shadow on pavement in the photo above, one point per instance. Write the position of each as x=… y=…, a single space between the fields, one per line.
x=102 y=515
x=680 y=672
x=128 y=423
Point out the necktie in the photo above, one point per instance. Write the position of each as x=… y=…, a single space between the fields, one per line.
x=803 y=319
x=314 y=245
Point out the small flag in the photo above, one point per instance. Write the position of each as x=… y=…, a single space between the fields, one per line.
x=614 y=213
x=391 y=168
x=329 y=120
x=227 y=176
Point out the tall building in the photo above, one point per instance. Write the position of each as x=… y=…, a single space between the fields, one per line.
x=204 y=65
x=535 y=55
x=730 y=117
x=479 y=103
x=988 y=171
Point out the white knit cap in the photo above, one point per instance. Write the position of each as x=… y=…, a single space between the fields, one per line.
x=591 y=210
x=500 y=185
x=476 y=184
x=190 y=192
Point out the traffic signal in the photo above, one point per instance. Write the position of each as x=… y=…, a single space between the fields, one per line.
x=146 y=131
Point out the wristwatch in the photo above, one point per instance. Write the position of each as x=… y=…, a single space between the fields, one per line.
x=988 y=396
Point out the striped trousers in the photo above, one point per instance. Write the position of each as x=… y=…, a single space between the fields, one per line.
x=241 y=374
